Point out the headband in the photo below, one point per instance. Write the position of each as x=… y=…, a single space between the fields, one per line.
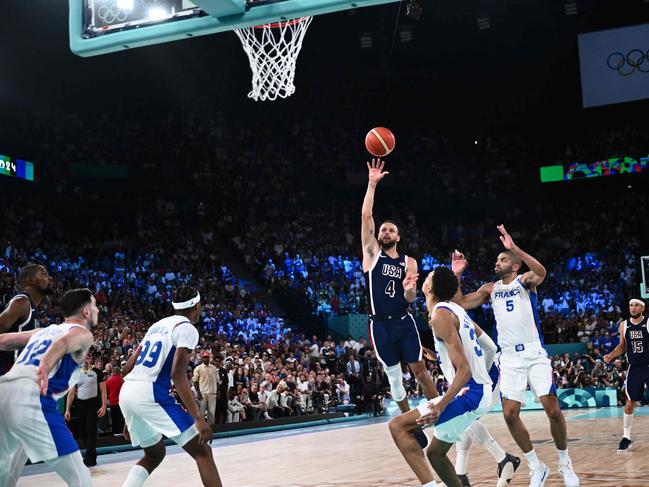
x=637 y=301
x=187 y=304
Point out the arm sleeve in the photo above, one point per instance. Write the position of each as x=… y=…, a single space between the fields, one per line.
x=489 y=348
x=185 y=336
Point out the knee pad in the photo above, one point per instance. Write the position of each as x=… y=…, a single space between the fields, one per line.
x=396 y=382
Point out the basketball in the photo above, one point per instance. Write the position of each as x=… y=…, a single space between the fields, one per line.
x=379 y=141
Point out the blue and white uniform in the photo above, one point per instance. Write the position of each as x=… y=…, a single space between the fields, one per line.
x=28 y=419
x=523 y=359
x=475 y=399
x=149 y=410
x=393 y=330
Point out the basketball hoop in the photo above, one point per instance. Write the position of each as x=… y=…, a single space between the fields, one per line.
x=272 y=50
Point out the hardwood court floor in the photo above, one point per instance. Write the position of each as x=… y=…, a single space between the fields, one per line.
x=365 y=456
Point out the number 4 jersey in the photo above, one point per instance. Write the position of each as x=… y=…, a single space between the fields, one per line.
x=64 y=374
x=517 y=317
x=159 y=347
x=384 y=283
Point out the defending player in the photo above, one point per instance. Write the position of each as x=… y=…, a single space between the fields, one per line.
x=21 y=314
x=391 y=281
x=149 y=410
x=464 y=364
x=43 y=372
x=523 y=358
x=634 y=340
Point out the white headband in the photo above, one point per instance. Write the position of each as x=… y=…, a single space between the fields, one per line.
x=187 y=304
x=637 y=301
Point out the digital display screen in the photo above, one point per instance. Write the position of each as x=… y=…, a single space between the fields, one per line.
x=16 y=168
x=106 y=16
x=583 y=170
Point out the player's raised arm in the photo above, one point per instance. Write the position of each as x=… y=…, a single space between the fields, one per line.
x=536 y=275
x=474 y=299
x=621 y=347
x=368 y=236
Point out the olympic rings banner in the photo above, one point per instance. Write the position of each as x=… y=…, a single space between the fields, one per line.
x=614 y=65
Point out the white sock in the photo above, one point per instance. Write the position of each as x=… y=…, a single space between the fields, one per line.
x=432 y=483
x=532 y=459
x=628 y=419
x=482 y=436
x=136 y=477
x=563 y=456
x=462 y=448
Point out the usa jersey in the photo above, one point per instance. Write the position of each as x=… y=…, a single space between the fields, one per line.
x=637 y=342
x=472 y=349
x=7 y=359
x=63 y=375
x=384 y=283
x=517 y=318
x=158 y=350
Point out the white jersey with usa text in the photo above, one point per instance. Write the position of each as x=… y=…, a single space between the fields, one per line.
x=65 y=372
x=472 y=350
x=159 y=347
x=517 y=318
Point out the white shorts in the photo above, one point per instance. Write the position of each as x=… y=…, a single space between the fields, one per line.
x=32 y=421
x=460 y=413
x=518 y=369
x=150 y=412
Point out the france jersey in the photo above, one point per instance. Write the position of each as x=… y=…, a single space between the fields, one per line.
x=517 y=318
x=475 y=399
x=384 y=283
x=149 y=410
x=32 y=421
x=472 y=350
x=7 y=359
x=62 y=376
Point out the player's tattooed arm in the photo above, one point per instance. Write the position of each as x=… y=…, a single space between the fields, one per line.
x=16 y=312
x=15 y=341
x=368 y=228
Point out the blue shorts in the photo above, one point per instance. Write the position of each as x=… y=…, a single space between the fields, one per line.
x=396 y=341
x=636 y=379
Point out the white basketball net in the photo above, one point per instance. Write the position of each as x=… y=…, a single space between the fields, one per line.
x=272 y=50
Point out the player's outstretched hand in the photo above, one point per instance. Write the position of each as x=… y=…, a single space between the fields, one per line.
x=204 y=431
x=458 y=262
x=410 y=282
x=429 y=354
x=42 y=374
x=375 y=169
x=607 y=358
x=429 y=418
x=506 y=238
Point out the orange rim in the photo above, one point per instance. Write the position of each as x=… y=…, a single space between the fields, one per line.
x=277 y=25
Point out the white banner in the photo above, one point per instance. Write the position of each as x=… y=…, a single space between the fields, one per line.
x=614 y=65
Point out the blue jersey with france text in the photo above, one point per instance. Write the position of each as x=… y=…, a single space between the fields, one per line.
x=384 y=284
